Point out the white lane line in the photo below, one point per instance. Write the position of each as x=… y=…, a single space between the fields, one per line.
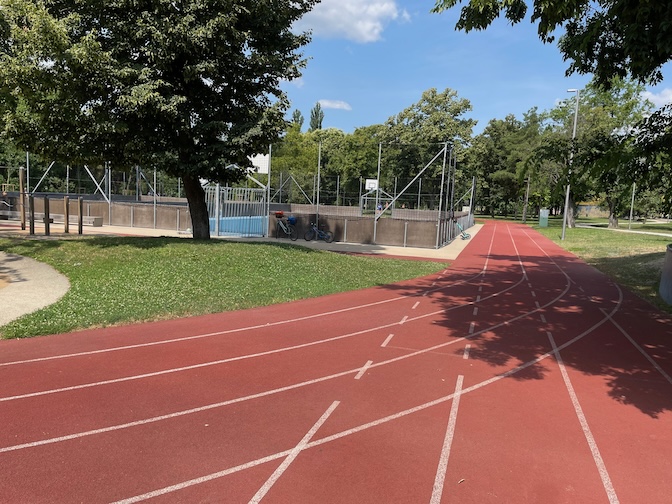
x=433 y=284
x=471 y=327
x=597 y=457
x=425 y=293
x=292 y=455
x=417 y=303
x=529 y=284
x=536 y=303
x=403 y=320
x=638 y=347
x=251 y=356
x=465 y=355
x=387 y=340
x=363 y=370
x=478 y=299
x=480 y=288
x=542 y=317
x=534 y=294
x=581 y=289
x=440 y=478
x=475 y=310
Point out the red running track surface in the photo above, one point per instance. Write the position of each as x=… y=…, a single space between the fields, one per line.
x=519 y=374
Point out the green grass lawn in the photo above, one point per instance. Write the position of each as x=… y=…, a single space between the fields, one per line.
x=123 y=280
x=633 y=260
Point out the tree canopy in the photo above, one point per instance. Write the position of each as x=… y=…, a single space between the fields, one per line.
x=608 y=38
x=191 y=87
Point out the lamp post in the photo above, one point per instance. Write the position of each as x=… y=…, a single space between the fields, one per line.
x=571 y=157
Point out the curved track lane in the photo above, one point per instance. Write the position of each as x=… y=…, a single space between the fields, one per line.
x=519 y=374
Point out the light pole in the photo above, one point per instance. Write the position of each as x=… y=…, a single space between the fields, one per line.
x=571 y=157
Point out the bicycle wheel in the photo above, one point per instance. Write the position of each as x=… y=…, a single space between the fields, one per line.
x=328 y=236
x=310 y=235
x=278 y=230
x=293 y=235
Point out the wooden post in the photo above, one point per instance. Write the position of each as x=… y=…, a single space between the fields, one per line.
x=31 y=209
x=47 y=230
x=80 y=214
x=66 y=214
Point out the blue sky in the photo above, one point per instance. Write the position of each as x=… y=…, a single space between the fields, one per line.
x=370 y=59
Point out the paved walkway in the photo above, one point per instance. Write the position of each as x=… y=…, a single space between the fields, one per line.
x=27 y=285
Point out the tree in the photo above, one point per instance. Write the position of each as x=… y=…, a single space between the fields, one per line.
x=297 y=118
x=605 y=37
x=191 y=87
x=316 y=117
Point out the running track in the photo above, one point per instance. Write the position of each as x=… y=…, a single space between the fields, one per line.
x=519 y=374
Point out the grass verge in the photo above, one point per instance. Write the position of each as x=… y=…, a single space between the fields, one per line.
x=123 y=280
x=634 y=260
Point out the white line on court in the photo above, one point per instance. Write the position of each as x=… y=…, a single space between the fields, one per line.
x=433 y=284
x=475 y=310
x=292 y=455
x=465 y=355
x=480 y=288
x=536 y=303
x=597 y=457
x=440 y=478
x=478 y=299
x=534 y=294
x=472 y=325
x=417 y=303
x=403 y=320
x=387 y=340
x=638 y=347
x=363 y=370
x=542 y=317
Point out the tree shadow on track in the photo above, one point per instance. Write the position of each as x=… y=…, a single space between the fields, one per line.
x=506 y=335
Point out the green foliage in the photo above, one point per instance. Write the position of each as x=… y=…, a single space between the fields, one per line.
x=316 y=117
x=124 y=280
x=608 y=38
x=297 y=118
x=191 y=87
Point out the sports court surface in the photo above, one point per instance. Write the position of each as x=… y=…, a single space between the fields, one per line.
x=518 y=374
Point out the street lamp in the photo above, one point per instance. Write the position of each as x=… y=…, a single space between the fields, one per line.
x=571 y=157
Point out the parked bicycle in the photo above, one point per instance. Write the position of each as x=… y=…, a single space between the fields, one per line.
x=288 y=228
x=316 y=233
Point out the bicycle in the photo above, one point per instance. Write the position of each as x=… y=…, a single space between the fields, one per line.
x=288 y=228
x=315 y=233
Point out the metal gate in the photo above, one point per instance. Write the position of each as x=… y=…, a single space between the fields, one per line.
x=237 y=211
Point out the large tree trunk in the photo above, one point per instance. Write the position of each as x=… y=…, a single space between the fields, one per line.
x=200 y=220
x=571 y=214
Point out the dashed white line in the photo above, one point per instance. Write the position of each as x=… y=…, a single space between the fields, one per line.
x=440 y=478
x=478 y=299
x=536 y=303
x=403 y=319
x=417 y=303
x=597 y=457
x=363 y=370
x=465 y=355
x=480 y=288
x=471 y=327
x=292 y=455
x=534 y=294
x=475 y=310
x=387 y=340
x=542 y=317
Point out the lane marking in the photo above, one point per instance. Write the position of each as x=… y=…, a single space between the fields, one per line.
x=480 y=288
x=465 y=355
x=387 y=340
x=374 y=423
x=534 y=294
x=425 y=293
x=292 y=455
x=415 y=305
x=472 y=325
x=597 y=457
x=440 y=478
x=637 y=346
x=475 y=310
x=478 y=299
x=433 y=284
x=250 y=356
x=543 y=318
x=403 y=320
x=536 y=303
x=363 y=370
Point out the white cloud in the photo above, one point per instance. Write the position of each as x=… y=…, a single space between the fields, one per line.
x=659 y=99
x=357 y=20
x=335 y=104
